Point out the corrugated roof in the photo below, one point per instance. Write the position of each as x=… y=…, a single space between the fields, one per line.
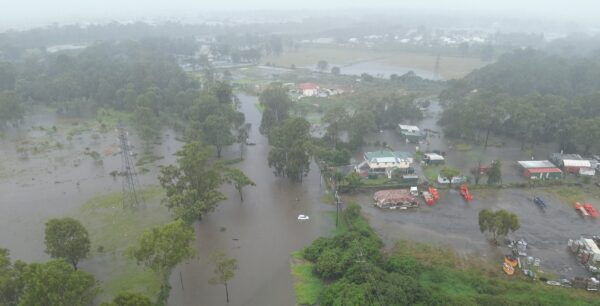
x=576 y=163
x=412 y=128
x=544 y=170
x=433 y=156
x=528 y=164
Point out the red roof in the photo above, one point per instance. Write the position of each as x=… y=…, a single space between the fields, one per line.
x=543 y=170
x=305 y=86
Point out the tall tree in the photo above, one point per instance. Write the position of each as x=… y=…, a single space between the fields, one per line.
x=239 y=180
x=277 y=104
x=322 y=65
x=162 y=248
x=192 y=185
x=495 y=173
x=336 y=120
x=11 y=279
x=57 y=283
x=224 y=271
x=217 y=132
x=291 y=148
x=242 y=137
x=67 y=238
x=11 y=109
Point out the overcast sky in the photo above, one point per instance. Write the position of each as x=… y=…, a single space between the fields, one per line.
x=33 y=12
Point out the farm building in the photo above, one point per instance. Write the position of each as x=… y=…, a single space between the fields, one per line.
x=382 y=162
x=433 y=159
x=540 y=170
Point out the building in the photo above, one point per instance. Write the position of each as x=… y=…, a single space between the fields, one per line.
x=383 y=162
x=573 y=163
x=540 y=170
x=395 y=198
x=433 y=159
x=308 y=89
x=411 y=133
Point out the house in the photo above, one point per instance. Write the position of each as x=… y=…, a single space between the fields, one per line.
x=308 y=89
x=411 y=133
x=383 y=162
x=395 y=198
x=540 y=170
x=433 y=159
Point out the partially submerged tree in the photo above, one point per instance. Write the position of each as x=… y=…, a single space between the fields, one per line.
x=192 y=185
x=239 y=180
x=277 y=103
x=127 y=298
x=495 y=173
x=162 y=248
x=67 y=238
x=224 y=270
x=290 y=154
x=499 y=223
x=354 y=181
x=217 y=132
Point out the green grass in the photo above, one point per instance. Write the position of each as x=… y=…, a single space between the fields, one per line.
x=431 y=172
x=307 y=286
x=110 y=118
x=568 y=195
x=463 y=147
x=113 y=230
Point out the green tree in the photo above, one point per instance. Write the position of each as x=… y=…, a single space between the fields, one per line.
x=239 y=180
x=336 y=70
x=336 y=120
x=322 y=65
x=162 y=248
x=67 y=238
x=363 y=122
x=11 y=109
x=495 y=173
x=448 y=173
x=127 y=298
x=291 y=147
x=224 y=271
x=242 y=137
x=11 y=279
x=499 y=223
x=354 y=181
x=192 y=185
x=57 y=283
x=277 y=104
x=217 y=132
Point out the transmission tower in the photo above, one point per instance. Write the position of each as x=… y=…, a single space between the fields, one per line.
x=131 y=198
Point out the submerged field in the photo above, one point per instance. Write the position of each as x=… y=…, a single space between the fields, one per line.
x=450 y=67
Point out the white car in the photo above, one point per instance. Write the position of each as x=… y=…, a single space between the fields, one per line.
x=303 y=217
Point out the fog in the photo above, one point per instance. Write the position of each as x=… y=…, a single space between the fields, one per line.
x=31 y=13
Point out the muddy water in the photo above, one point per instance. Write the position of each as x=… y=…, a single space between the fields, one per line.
x=454 y=223
x=260 y=232
x=56 y=182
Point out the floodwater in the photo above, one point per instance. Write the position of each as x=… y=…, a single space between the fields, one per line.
x=380 y=69
x=56 y=182
x=260 y=233
x=453 y=223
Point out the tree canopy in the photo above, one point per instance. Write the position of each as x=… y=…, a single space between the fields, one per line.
x=499 y=223
x=291 y=148
x=67 y=238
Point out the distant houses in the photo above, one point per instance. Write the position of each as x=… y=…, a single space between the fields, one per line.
x=308 y=89
x=304 y=90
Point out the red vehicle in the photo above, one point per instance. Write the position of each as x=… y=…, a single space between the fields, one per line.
x=579 y=208
x=590 y=209
x=428 y=198
x=434 y=193
x=464 y=192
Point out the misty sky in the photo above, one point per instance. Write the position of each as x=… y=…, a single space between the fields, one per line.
x=32 y=12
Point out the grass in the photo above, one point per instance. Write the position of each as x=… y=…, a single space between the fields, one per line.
x=112 y=231
x=377 y=181
x=568 y=195
x=431 y=172
x=463 y=147
x=450 y=66
x=307 y=286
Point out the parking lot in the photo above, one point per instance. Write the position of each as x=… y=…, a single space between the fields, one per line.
x=453 y=223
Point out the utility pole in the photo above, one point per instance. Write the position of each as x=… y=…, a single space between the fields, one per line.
x=338 y=204
x=131 y=198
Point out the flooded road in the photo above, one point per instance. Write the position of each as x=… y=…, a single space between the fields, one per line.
x=260 y=233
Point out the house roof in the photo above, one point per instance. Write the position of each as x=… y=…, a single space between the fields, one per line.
x=433 y=156
x=387 y=156
x=379 y=154
x=544 y=170
x=305 y=86
x=576 y=163
x=529 y=164
x=412 y=128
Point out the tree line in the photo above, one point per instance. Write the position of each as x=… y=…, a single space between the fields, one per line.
x=530 y=96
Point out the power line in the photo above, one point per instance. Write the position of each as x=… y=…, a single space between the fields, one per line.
x=131 y=198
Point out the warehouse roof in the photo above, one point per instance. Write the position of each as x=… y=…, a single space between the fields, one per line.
x=576 y=163
x=408 y=128
x=529 y=164
x=544 y=170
